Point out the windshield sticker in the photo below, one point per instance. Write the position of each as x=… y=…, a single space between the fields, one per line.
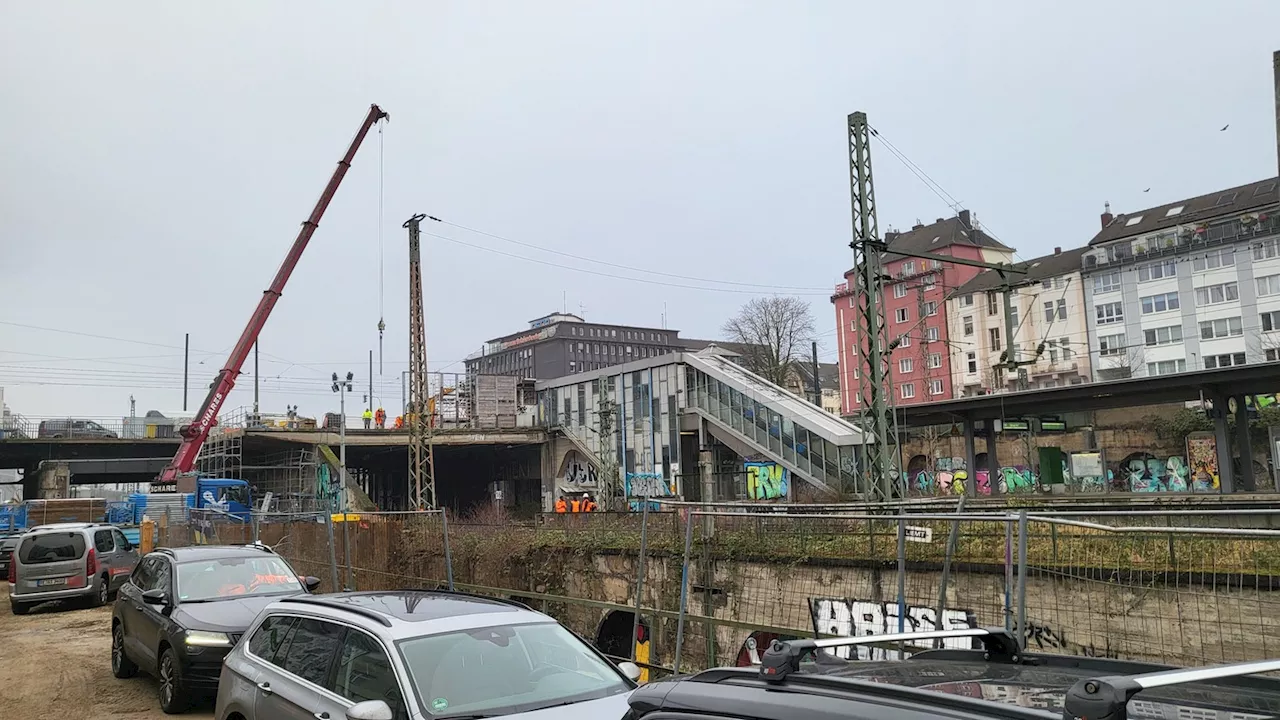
x=439 y=704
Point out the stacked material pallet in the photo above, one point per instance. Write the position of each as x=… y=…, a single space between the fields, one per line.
x=44 y=512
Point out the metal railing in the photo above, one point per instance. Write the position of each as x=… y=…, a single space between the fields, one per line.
x=714 y=587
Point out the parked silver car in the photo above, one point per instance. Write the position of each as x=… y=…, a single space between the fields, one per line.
x=68 y=561
x=411 y=655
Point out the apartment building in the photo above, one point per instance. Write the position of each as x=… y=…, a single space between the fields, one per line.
x=914 y=298
x=1187 y=285
x=562 y=344
x=1048 y=316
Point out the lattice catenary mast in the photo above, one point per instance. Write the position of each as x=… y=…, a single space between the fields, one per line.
x=422 y=475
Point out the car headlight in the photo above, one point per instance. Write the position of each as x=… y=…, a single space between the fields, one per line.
x=201 y=638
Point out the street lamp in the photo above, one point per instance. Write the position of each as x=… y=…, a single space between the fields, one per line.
x=342 y=387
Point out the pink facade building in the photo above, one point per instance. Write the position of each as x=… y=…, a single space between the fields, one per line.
x=915 y=301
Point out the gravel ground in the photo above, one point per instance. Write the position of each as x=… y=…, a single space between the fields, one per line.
x=56 y=664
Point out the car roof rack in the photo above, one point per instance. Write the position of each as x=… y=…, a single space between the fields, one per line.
x=346 y=607
x=478 y=596
x=783 y=656
x=1106 y=697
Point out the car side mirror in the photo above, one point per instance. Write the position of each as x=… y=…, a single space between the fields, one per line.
x=311 y=583
x=631 y=670
x=370 y=710
x=155 y=597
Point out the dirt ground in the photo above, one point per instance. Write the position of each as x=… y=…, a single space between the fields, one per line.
x=56 y=664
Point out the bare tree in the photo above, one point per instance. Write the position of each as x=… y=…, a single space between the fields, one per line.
x=773 y=332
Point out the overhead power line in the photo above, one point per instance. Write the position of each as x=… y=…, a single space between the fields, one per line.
x=616 y=265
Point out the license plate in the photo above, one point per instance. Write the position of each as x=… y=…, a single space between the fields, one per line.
x=51 y=581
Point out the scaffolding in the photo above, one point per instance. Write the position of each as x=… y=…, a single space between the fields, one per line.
x=291 y=476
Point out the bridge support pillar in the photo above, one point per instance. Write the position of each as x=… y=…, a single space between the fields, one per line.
x=970 y=487
x=1222 y=438
x=1244 y=446
x=31 y=482
x=53 y=480
x=993 y=462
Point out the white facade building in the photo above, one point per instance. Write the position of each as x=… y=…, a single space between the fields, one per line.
x=1189 y=285
x=1048 y=310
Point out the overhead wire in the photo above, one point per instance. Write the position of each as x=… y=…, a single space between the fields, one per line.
x=613 y=264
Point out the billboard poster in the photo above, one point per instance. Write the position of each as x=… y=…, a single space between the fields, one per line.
x=1202 y=460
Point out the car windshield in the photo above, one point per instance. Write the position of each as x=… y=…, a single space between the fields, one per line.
x=202 y=580
x=501 y=670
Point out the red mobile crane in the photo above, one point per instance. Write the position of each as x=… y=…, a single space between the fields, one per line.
x=194 y=435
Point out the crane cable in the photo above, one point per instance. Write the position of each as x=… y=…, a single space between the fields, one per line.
x=382 y=325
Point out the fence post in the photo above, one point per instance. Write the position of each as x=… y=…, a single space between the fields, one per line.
x=346 y=547
x=333 y=553
x=448 y=554
x=644 y=540
x=684 y=587
x=902 y=583
x=952 y=540
x=1008 y=573
x=708 y=578
x=1022 y=577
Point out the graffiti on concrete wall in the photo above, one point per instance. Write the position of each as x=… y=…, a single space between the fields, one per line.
x=1016 y=479
x=851 y=617
x=578 y=472
x=767 y=480
x=638 y=485
x=1043 y=637
x=1144 y=472
x=1202 y=459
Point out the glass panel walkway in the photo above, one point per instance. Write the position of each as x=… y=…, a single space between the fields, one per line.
x=814 y=444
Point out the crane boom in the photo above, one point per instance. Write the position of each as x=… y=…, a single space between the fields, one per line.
x=194 y=435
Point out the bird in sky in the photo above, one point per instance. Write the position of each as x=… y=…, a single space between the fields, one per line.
x=1147 y=190
x=1224 y=127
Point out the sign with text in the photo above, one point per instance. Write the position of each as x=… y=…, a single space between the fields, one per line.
x=918 y=534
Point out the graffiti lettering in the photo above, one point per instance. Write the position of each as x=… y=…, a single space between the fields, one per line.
x=767 y=481
x=1202 y=457
x=579 y=472
x=1018 y=479
x=648 y=485
x=850 y=618
x=1045 y=638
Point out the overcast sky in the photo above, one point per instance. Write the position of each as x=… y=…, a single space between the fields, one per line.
x=158 y=157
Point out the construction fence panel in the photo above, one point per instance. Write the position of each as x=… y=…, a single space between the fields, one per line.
x=1183 y=595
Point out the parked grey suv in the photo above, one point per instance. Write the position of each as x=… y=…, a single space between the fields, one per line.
x=411 y=655
x=69 y=561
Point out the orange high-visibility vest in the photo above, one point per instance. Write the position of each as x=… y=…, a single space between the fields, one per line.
x=561 y=506
x=575 y=505
x=589 y=505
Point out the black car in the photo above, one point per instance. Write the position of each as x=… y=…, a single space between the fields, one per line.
x=183 y=609
x=997 y=681
x=7 y=543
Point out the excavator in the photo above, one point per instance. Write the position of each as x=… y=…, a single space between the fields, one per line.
x=195 y=434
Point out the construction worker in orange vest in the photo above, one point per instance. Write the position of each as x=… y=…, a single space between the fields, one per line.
x=399 y=422
x=561 y=505
x=575 y=505
x=381 y=418
x=588 y=505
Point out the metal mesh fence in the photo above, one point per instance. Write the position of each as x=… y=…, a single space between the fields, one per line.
x=715 y=587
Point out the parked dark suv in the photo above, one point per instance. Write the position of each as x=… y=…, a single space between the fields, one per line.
x=183 y=609
x=998 y=681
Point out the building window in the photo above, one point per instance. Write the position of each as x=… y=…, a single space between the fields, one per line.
x=909 y=267
x=935 y=360
x=572 y=367
x=1059 y=283
x=993 y=335
x=966 y=300
x=900 y=315
x=1159 y=303
x=930 y=308
x=993 y=303
x=972 y=360
x=904 y=340
x=1162 y=335
x=1157 y=270
x=905 y=365
x=1216 y=294
x=932 y=334
x=1224 y=327
x=1106 y=282
x=968 y=325
x=1166 y=367
x=935 y=387
x=1213 y=362
x=1053 y=351
x=908 y=390
x=1013 y=315
x=1110 y=345
x=1273 y=354
x=900 y=290
x=1110 y=313
x=930 y=280
x=1062 y=308
x=1222 y=257
x=1271 y=321
x=1267 y=249
x=1268 y=285
x=1065 y=344
x=1049 y=312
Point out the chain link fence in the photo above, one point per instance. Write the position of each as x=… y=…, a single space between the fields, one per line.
x=689 y=589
